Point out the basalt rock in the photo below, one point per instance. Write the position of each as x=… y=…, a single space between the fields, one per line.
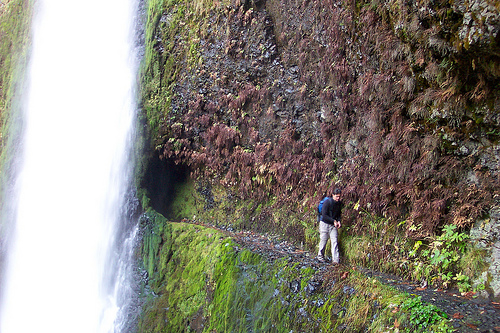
x=397 y=102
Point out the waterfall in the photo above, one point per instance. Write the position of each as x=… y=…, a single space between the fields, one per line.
x=73 y=230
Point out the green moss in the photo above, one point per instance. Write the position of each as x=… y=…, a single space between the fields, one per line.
x=472 y=263
x=186 y=202
x=185 y=260
x=154 y=226
x=15 y=18
x=257 y=296
x=202 y=280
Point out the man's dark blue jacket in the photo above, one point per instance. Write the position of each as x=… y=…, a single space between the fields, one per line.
x=331 y=211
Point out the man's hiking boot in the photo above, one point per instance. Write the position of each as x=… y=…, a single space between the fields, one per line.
x=321 y=259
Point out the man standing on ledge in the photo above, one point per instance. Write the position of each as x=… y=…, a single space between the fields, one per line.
x=329 y=225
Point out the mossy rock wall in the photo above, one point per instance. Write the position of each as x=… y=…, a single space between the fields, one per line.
x=15 y=38
x=202 y=281
x=15 y=23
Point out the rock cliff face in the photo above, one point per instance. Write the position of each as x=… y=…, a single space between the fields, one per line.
x=276 y=102
x=199 y=279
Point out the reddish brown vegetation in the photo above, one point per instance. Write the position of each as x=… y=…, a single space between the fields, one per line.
x=309 y=95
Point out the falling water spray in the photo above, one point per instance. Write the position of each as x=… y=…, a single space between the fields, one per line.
x=62 y=265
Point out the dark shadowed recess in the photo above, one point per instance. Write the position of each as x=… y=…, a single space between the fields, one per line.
x=160 y=180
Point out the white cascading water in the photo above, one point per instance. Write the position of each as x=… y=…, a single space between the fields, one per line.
x=71 y=188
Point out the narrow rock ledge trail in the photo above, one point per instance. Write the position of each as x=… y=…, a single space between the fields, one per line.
x=467 y=312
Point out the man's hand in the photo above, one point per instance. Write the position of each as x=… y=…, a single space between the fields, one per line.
x=337 y=224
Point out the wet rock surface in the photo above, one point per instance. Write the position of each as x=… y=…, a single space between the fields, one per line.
x=467 y=311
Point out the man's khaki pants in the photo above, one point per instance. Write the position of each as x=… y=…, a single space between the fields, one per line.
x=328 y=231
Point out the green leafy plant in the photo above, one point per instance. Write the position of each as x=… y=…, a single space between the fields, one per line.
x=463 y=282
x=422 y=315
x=438 y=260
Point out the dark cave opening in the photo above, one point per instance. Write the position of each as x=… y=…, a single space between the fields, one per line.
x=160 y=180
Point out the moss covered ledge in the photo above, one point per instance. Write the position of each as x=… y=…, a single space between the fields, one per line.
x=200 y=280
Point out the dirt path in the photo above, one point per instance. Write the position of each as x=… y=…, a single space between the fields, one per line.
x=468 y=313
